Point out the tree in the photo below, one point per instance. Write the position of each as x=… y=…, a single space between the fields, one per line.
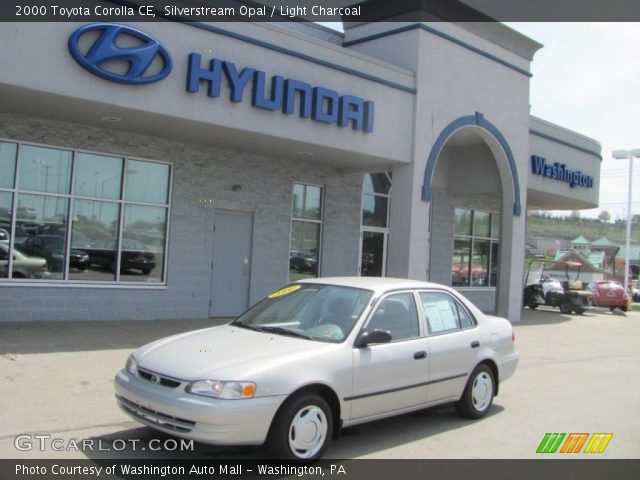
x=575 y=215
x=604 y=216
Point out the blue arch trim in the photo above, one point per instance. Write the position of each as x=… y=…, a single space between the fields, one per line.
x=478 y=120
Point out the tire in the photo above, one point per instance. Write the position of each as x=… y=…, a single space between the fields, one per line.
x=566 y=308
x=146 y=271
x=611 y=309
x=624 y=309
x=477 y=398
x=301 y=417
x=579 y=311
x=533 y=306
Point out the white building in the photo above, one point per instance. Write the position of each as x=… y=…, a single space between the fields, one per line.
x=266 y=152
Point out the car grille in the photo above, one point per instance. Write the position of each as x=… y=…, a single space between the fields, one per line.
x=156 y=418
x=164 y=381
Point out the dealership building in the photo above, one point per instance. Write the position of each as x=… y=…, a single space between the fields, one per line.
x=169 y=170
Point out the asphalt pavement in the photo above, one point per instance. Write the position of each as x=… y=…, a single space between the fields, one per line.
x=576 y=374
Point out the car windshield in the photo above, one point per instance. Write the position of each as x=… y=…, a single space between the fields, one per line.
x=325 y=313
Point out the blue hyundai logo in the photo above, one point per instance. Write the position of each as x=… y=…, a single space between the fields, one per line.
x=105 y=50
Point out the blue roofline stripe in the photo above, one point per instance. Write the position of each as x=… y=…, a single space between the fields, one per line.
x=565 y=143
x=445 y=36
x=286 y=51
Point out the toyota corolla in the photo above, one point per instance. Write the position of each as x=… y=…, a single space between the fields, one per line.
x=317 y=356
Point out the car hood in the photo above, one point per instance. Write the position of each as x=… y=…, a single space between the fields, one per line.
x=226 y=352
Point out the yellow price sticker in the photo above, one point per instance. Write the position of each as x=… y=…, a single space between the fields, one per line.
x=285 y=291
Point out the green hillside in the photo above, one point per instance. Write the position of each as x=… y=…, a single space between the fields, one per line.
x=572 y=226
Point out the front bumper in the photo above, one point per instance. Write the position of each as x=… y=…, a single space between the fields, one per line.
x=208 y=420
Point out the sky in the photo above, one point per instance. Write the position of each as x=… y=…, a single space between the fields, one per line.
x=587 y=79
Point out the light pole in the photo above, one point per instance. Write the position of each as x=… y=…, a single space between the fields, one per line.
x=621 y=155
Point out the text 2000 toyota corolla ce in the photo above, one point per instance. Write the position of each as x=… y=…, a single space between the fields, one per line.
x=317 y=356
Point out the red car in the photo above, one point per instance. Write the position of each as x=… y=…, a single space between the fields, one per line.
x=610 y=294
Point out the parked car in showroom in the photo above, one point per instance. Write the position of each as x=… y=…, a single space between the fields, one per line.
x=609 y=293
x=52 y=247
x=316 y=356
x=23 y=265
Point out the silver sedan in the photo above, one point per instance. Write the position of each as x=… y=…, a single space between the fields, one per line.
x=316 y=356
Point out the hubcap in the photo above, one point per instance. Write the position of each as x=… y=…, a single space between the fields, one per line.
x=482 y=391
x=308 y=431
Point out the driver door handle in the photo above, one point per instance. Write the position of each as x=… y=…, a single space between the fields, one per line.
x=420 y=354
x=475 y=344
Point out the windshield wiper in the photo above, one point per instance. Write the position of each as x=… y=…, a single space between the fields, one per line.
x=285 y=331
x=247 y=326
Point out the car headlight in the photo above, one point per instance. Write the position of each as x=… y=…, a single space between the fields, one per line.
x=132 y=365
x=223 y=390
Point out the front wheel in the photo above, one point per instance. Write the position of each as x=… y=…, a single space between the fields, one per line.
x=477 y=397
x=302 y=428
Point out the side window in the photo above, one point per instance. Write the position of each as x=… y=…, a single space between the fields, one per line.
x=396 y=314
x=443 y=313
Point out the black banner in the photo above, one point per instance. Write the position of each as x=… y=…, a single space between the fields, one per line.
x=542 y=469
x=319 y=10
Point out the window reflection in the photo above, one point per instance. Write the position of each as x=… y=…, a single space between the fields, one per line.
x=143 y=240
x=475 y=251
x=147 y=182
x=90 y=244
x=98 y=176
x=95 y=232
x=304 y=251
x=462 y=221
x=374 y=210
x=7 y=164
x=44 y=169
x=44 y=220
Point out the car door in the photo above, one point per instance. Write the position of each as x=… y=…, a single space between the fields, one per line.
x=391 y=376
x=453 y=341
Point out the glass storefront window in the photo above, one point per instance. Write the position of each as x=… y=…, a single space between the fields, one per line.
x=78 y=235
x=475 y=250
x=143 y=240
x=372 y=254
x=98 y=176
x=307 y=202
x=481 y=224
x=306 y=226
x=377 y=183
x=461 y=262
x=147 y=182
x=94 y=231
x=45 y=170
x=374 y=210
x=43 y=219
x=7 y=164
x=462 y=221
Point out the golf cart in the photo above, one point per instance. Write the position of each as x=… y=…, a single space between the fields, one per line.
x=573 y=298
x=533 y=294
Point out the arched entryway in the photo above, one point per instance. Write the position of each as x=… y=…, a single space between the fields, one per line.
x=471 y=183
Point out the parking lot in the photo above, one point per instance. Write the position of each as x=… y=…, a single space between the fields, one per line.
x=576 y=374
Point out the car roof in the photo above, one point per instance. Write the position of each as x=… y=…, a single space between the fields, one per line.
x=377 y=284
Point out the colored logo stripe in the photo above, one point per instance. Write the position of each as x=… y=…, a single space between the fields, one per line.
x=574 y=442
x=598 y=442
x=550 y=442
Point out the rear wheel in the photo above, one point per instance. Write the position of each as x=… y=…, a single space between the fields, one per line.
x=579 y=311
x=565 y=307
x=478 y=395
x=302 y=428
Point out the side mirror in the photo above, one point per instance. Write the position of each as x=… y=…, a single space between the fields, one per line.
x=368 y=338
